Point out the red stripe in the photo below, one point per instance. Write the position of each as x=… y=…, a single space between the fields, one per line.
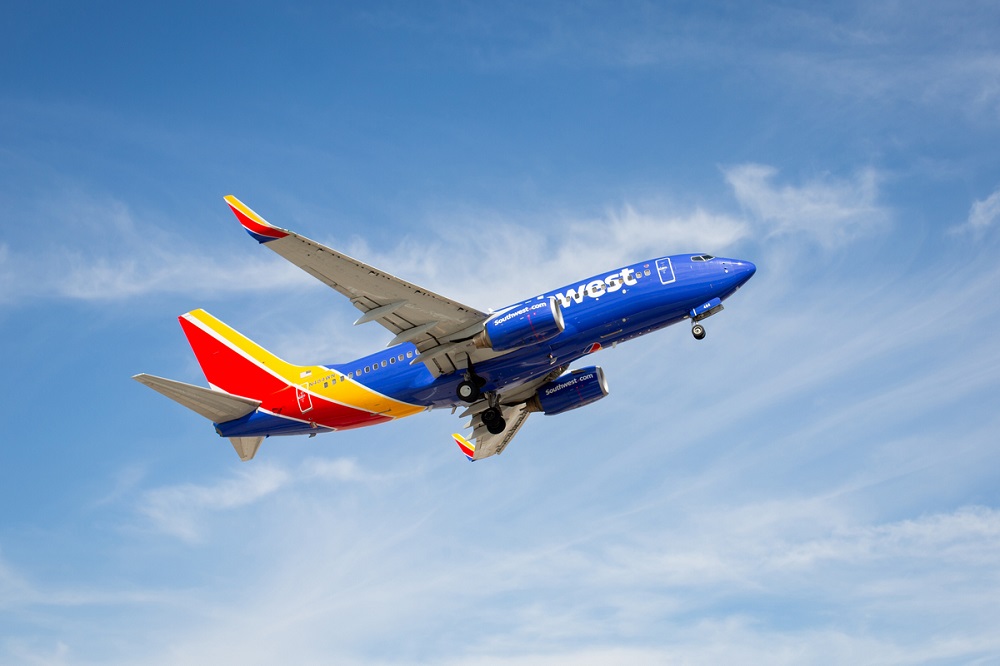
x=257 y=227
x=234 y=373
x=465 y=449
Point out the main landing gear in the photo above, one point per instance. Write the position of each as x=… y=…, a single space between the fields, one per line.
x=698 y=331
x=493 y=419
x=470 y=389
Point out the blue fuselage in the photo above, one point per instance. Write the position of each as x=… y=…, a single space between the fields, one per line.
x=601 y=311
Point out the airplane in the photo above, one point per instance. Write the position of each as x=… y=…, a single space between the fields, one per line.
x=499 y=365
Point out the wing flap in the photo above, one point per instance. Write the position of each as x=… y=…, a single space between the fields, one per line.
x=486 y=444
x=215 y=406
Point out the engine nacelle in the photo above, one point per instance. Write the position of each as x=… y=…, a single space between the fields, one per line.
x=523 y=325
x=574 y=389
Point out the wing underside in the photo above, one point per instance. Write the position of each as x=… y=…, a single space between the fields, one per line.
x=438 y=326
x=485 y=444
x=513 y=405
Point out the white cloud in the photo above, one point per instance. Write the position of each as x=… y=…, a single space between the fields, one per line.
x=182 y=510
x=673 y=582
x=829 y=210
x=137 y=257
x=126 y=256
x=178 y=510
x=983 y=215
x=539 y=251
x=485 y=259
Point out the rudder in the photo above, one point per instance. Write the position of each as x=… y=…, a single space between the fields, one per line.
x=233 y=362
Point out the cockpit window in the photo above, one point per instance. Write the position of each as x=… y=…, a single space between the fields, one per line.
x=702 y=257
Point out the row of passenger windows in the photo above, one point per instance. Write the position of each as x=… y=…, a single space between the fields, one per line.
x=384 y=364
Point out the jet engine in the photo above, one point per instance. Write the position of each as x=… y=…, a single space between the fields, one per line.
x=574 y=389
x=524 y=325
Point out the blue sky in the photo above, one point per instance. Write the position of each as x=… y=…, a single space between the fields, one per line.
x=815 y=482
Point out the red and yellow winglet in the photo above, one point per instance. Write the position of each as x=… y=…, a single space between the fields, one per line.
x=467 y=447
x=256 y=226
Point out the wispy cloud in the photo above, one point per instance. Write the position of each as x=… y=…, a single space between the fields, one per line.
x=181 y=510
x=140 y=257
x=545 y=250
x=20 y=591
x=135 y=256
x=631 y=585
x=983 y=215
x=176 y=510
x=829 y=210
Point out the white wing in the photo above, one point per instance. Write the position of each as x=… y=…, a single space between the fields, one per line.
x=438 y=326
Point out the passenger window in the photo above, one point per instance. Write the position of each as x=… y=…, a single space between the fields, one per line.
x=409 y=354
x=367 y=369
x=392 y=360
x=383 y=364
x=400 y=357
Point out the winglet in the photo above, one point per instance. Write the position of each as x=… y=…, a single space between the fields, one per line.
x=255 y=225
x=467 y=447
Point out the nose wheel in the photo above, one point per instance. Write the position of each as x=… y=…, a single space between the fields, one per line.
x=698 y=331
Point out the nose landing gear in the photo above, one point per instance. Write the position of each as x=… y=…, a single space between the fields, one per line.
x=701 y=312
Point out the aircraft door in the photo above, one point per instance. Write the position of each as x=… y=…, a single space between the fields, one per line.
x=665 y=269
x=304 y=399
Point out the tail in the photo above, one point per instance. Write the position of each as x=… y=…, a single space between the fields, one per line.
x=234 y=363
x=242 y=375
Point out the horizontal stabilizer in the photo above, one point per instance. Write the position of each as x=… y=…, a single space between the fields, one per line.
x=215 y=406
x=246 y=447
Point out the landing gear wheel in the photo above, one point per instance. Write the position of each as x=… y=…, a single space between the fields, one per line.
x=698 y=331
x=496 y=427
x=490 y=415
x=467 y=391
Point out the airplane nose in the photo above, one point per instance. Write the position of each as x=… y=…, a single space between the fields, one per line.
x=745 y=270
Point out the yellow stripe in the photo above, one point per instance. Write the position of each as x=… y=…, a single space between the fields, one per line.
x=463 y=442
x=347 y=392
x=246 y=210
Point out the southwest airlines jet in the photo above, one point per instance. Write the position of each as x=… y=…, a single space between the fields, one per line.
x=500 y=366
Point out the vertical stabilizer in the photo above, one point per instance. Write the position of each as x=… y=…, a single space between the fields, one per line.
x=231 y=361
